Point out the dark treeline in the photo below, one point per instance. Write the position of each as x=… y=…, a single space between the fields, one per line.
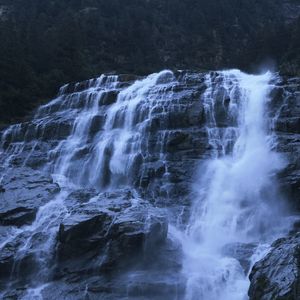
x=45 y=43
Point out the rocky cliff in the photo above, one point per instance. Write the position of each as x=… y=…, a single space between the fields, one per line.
x=92 y=185
x=276 y=276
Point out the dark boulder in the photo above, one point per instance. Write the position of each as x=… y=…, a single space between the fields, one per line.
x=7 y=258
x=285 y=110
x=14 y=263
x=96 y=124
x=80 y=196
x=277 y=275
x=178 y=140
x=109 y=97
x=18 y=216
x=84 y=231
x=116 y=226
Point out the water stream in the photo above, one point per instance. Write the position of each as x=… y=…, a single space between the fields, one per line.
x=238 y=208
x=237 y=211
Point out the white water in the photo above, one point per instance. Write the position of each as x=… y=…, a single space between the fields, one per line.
x=114 y=149
x=237 y=200
x=236 y=195
x=123 y=133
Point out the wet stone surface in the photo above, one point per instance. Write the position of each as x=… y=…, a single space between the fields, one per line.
x=106 y=235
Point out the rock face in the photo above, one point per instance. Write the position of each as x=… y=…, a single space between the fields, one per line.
x=23 y=191
x=131 y=224
x=113 y=243
x=170 y=116
x=286 y=101
x=109 y=234
x=277 y=276
x=90 y=186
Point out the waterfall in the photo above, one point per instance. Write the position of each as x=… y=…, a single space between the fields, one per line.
x=237 y=206
x=150 y=135
x=116 y=148
x=97 y=136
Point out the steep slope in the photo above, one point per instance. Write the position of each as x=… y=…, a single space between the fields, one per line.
x=98 y=188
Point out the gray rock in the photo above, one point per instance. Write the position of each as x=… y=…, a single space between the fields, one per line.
x=285 y=108
x=20 y=265
x=114 y=245
x=25 y=190
x=116 y=226
x=277 y=276
x=109 y=97
x=96 y=124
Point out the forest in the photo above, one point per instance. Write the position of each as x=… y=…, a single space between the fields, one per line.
x=46 y=43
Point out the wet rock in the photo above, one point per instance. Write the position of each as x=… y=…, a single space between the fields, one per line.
x=55 y=129
x=289 y=183
x=25 y=190
x=96 y=124
x=14 y=133
x=196 y=113
x=114 y=245
x=291 y=124
x=153 y=275
x=137 y=233
x=18 y=216
x=81 y=196
x=32 y=154
x=82 y=233
x=13 y=264
x=7 y=258
x=109 y=97
x=285 y=105
x=116 y=226
x=276 y=96
x=81 y=152
x=177 y=139
x=277 y=275
x=221 y=108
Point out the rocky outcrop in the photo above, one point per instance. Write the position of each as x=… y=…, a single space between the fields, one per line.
x=277 y=276
x=130 y=225
x=285 y=106
x=23 y=192
x=175 y=132
x=115 y=244
x=104 y=236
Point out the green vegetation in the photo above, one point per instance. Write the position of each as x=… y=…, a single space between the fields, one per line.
x=45 y=43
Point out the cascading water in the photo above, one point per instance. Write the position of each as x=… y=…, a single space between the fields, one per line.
x=116 y=149
x=237 y=205
x=149 y=134
x=100 y=152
